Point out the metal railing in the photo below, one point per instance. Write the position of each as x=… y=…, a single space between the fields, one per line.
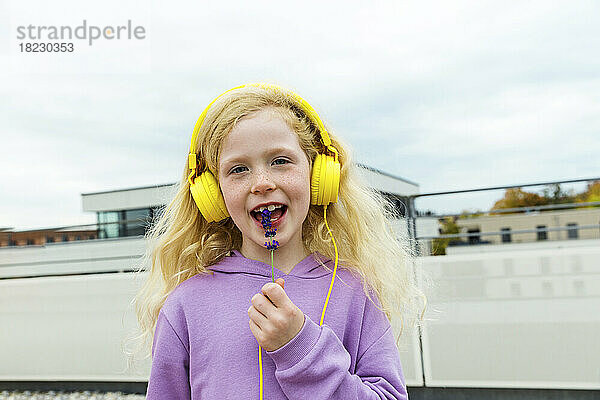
x=522 y=209
x=134 y=227
x=125 y=228
x=500 y=233
x=412 y=214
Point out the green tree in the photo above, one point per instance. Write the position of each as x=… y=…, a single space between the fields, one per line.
x=555 y=195
x=448 y=227
x=517 y=197
x=590 y=194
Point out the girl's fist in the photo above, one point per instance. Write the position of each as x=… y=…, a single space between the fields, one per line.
x=274 y=319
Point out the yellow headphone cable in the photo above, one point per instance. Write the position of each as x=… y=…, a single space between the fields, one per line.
x=272 y=245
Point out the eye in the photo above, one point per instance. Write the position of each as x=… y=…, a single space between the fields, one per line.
x=280 y=159
x=236 y=168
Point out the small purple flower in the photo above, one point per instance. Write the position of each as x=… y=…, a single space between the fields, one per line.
x=266 y=219
x=269 y=233
x=273 y=246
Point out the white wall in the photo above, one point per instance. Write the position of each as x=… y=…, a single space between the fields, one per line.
x=527 y=318
x=72 y=327
x=67 y=328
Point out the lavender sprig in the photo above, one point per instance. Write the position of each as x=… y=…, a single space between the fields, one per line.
x=269 y=233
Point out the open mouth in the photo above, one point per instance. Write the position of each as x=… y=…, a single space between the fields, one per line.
x=275 y=214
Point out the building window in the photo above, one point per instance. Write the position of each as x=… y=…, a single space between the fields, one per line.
x=506 y=236
x=29 y=242
x=475 y=239
x=122 y=223
x=65 y=238
x=542 y=233
x=137 y=220
x=108 y=224
x=573 y=233
x=49 y=239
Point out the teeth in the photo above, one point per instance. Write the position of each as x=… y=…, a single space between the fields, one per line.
x=271 y=207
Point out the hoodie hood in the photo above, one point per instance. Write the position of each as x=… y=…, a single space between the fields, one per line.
x=309 y=267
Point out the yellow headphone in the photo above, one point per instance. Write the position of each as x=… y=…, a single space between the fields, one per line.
x=324 y=184
x=325 y=180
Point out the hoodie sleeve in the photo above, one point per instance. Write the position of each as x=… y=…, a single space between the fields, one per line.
x=169 y=375
x=316 y=365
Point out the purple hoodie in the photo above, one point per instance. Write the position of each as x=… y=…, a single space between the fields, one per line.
x=204 y=349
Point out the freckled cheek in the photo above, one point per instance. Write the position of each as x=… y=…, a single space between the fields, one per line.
x=299 y=188
x=233 y=200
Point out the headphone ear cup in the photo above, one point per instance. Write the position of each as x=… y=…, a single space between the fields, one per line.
x=325 y=181
x=332 y=185
x=207 y=196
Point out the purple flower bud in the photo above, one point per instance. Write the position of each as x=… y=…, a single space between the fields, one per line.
x=269 y=233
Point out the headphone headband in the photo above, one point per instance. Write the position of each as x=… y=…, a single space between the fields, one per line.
x=312 y=114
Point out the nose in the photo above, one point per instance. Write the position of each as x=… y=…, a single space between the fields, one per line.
x=262 y=182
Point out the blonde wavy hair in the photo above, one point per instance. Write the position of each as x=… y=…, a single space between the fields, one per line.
x=182 y=244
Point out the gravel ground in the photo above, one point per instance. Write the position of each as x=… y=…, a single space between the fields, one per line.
x=52 y=395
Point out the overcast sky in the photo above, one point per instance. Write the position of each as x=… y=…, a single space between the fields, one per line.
x=451 y=95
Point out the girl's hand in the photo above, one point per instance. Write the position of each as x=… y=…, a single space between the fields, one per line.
x=274 y=323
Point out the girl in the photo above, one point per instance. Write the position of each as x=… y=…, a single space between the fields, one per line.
x=243 y=297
